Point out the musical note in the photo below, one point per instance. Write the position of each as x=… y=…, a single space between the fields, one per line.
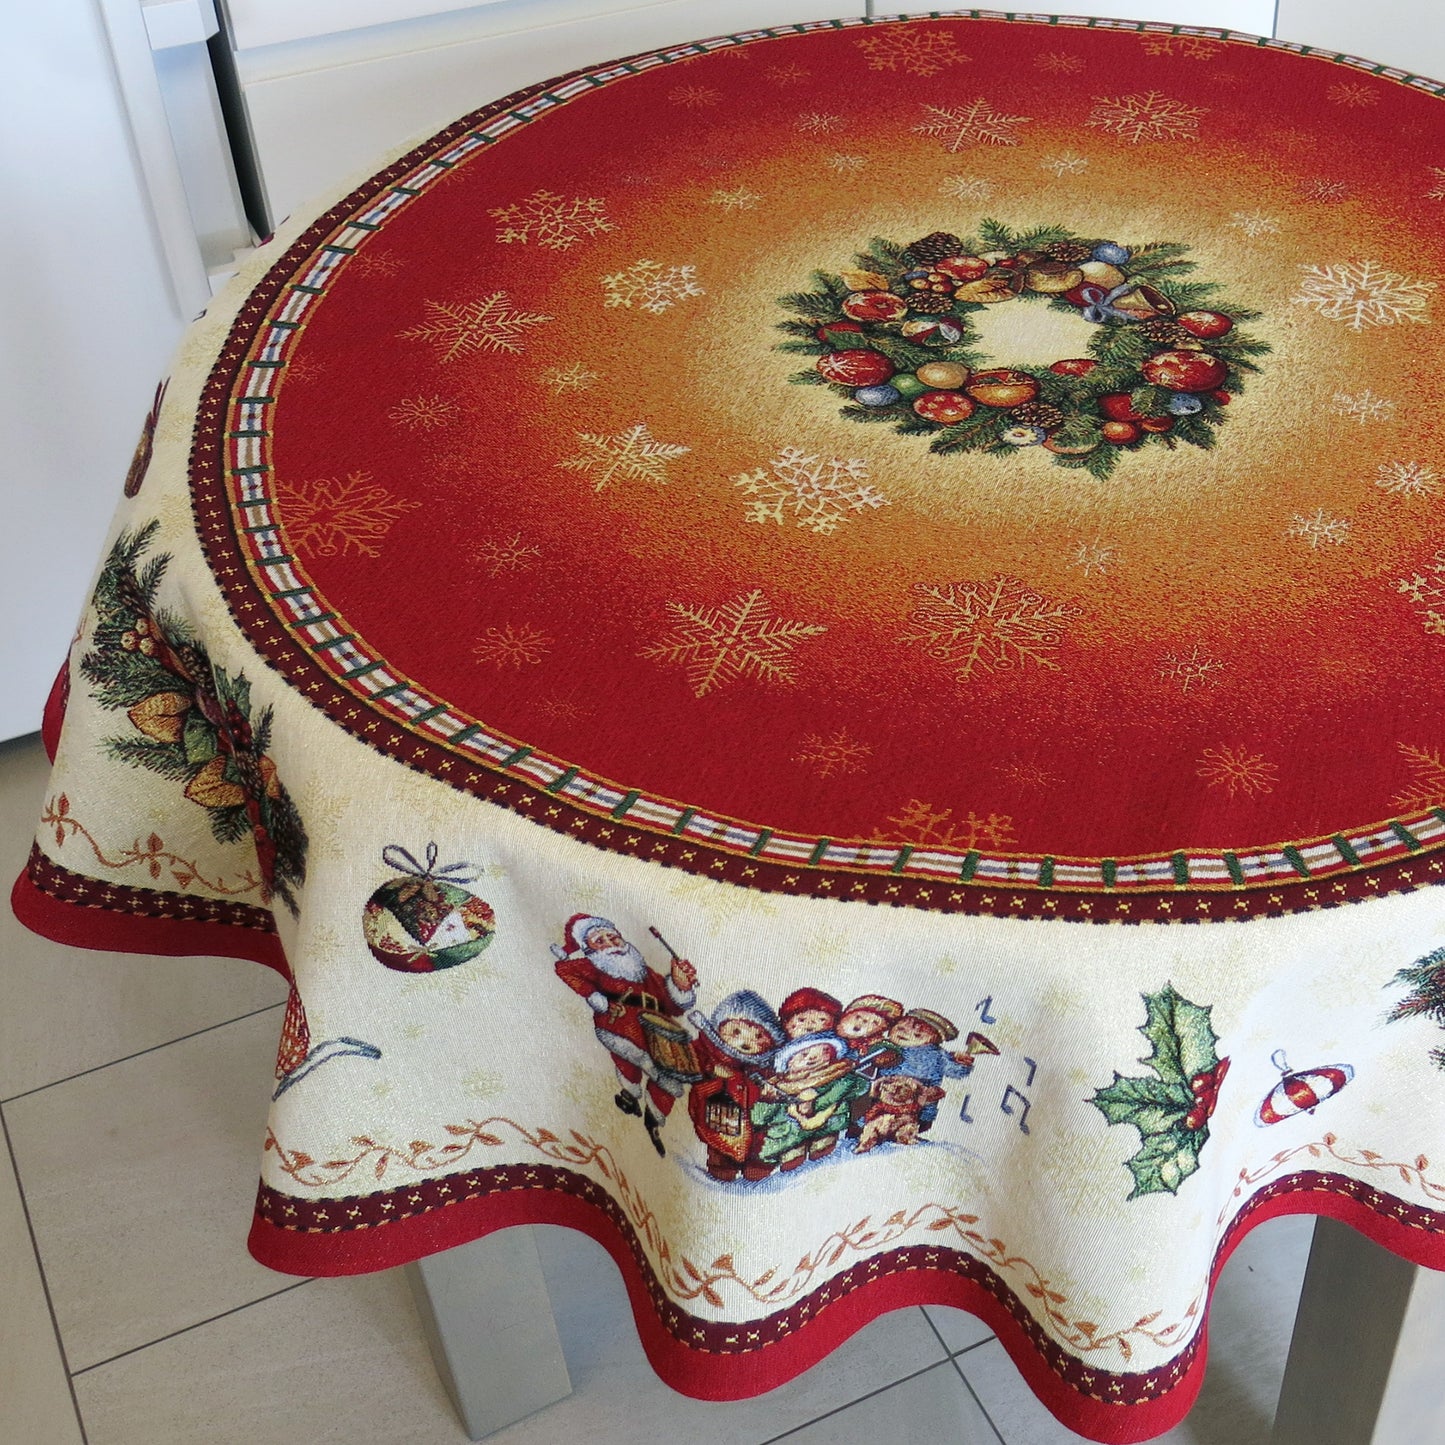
x=1024 y=1114
x=983 y=1009
x=1033 y=1069
x=964 y=1114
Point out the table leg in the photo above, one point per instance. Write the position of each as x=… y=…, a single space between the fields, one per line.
x=488 y=1322
x=1364 y=1360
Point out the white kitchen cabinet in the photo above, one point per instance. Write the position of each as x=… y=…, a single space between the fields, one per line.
x=1409 y=34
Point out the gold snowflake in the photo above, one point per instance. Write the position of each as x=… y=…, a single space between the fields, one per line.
x=305 y=368
x=923 y=825
x=976 y=123
x=1426 y=788
x=483 y=1083
x=694 y=96
x=1191 y=47
x=559 y=709
x=1146 y=116
x=787 y=74
x=1352 y=93
x=1427 y=591
x=988 y=626
x=635 y=455
x=552 y=222
x=514 y=556
x=741 y=638
x=835 y=753
x=512 y=646
x=331 y=516
x=1238 y=770
x=1195 y=670
x=720 y=903
x=1029 y=775
x=1329 y=192
x=458 y=327
x=1058 y=62
x=422 y=413
x=1437 y=187
x=740 y=199
x=575 y=377
x=375 y=263
x=911 y=50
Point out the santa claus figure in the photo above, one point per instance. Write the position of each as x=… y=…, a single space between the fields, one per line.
x=635 y=1011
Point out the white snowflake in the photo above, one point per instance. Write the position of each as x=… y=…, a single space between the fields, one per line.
x=815 y=122
x=1255 y=224
x=1318 y=527
x=741 y=199
x=1437 y=186
x=575 y=377
x=966 y=188
x=1147 y=116
x=1091 y=557
x=1363 y=293
x=1427 y=592
x=1065 y=163
x=635 y=455
x=819 y=493
x=651 y=286
x=549 y=220
x=1329 y=192
x=491 y=324
x=1407 y=479
x=1364 y=408
x=846 y=164
x=976 y=123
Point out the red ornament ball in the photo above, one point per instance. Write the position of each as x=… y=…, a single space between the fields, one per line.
x=855 y=368
x=874 y=306
x=822 y=332
x=1117 y=406
x=946 y=407
x=1184 y=370
x=1205 y=324
x=1121 y=433
x=1157 y=424
x=1073 y=366
x=962 y=268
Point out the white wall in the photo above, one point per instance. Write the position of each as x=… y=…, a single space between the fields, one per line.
x=87 y=325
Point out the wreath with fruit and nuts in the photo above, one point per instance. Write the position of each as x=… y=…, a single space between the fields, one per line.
x=895 y=337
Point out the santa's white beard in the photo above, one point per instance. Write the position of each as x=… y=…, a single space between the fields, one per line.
x=622 y=962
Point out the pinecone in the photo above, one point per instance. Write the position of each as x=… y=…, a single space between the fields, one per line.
x=1038 y=413
x=935 y=247
x=929 y=303
x=1070 y=251
x=1165 y=332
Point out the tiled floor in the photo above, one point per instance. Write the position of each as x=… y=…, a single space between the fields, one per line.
x=132 y=1093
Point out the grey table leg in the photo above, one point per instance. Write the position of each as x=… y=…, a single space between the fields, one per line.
x=1364 y=1361
x=488 y=1321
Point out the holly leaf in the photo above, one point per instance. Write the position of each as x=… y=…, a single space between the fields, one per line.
x=1152 y=1106
x=1165 y=1161
x=1183 y=1041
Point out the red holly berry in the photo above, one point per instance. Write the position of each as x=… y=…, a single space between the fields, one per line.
x=1222 y=397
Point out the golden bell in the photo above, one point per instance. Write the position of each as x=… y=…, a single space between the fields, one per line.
x=1142 y=303
x=1053 y=278
x=1101 y=273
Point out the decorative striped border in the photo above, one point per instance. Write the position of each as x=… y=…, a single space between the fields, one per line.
x=306 y=640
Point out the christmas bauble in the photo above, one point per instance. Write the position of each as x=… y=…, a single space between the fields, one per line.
x=908 y=386
x=1111 y=253
x=1184 y=404
x=1157 y=424
x=824 y=333
x=855 y=368
x=932 y=331
x=874 y=306
x=884 y=395
x=1205 y=324
x=943 y=375
x=962 y=268
x=1119 y=406
x=1184 y=370
x=1002 y=388
x=1074 y=366
x=426 y=920
x=1121 y=433
x=946 y=407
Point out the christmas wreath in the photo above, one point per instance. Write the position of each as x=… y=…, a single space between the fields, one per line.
x=895 y=337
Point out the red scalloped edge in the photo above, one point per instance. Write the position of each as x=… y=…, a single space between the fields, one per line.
x=709 y=1376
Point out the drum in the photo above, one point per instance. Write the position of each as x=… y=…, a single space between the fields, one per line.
x=670 y=1047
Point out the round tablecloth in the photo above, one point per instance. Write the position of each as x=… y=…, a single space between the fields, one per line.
x=691 y=613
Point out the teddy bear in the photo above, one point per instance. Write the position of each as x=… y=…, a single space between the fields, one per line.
x=894 y=1112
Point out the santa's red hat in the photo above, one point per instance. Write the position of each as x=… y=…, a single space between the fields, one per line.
x=810 y=998
x=579 y=926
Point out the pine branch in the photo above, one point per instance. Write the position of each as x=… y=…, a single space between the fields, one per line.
x=163 y=758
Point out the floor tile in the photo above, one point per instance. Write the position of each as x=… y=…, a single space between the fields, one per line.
x=35 y=1402
x=934 y=1406
x=140 y=1179
x=960 y=1330
x=65 y=1009
x=1250 y=1324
